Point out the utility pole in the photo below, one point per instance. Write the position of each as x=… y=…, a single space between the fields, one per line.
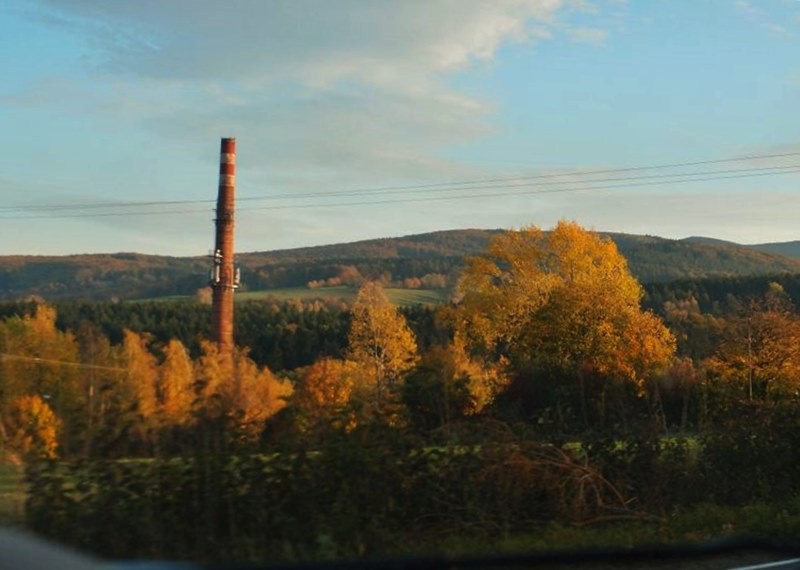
x=224 y=278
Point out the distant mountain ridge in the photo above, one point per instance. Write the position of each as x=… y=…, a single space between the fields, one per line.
x=440 y=254
x=787 y=248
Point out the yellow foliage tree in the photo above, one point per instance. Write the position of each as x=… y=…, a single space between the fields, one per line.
x=233 y=387
x=142 y=376
x=43 y=360
x=760 y=348
x=32 y=427
x=325 y=385
x=380 y=340
x=324 y=390
x=177 y=384
x=215 y=374
x=561 y=301
x=259 y=394
x=484 y=380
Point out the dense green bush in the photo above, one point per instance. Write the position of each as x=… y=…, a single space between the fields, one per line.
x=753 y=453
x=369 y=491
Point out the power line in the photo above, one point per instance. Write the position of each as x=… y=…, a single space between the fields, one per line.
x=556 y=175
x=519 y=193
x=547 y=180
x=96 y=205
x=588 y=185
x=678 y=176
x=412 y=187
x=6 y=356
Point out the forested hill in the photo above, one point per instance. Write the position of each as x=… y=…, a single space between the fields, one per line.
x=787 y=248
x=423 y=260
x=451 y=243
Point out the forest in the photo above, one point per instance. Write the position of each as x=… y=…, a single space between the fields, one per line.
x=434 y=261
x=554 y=401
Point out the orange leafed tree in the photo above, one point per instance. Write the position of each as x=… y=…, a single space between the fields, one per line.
x=43 y=360
x=760 y=348
x=259 y=393
x=380 y=340
x=324 y=391
x=234 y=387
x=561 y=303
x=142 y=376
x=32 y=427
x=177 y=384
x=326 y=385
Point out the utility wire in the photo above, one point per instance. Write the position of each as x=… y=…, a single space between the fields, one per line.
x=550 y=179
x=588 y=185
x=6 y=356
x=548 y=175
x=678 y=176
x=518 y=193
x=414 y=187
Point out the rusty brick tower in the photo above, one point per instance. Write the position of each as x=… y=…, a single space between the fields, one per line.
x=224 y=278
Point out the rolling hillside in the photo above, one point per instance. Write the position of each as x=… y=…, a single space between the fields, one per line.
x=789 y=248
x=427 y=258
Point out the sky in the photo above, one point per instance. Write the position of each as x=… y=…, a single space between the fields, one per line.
x=368 y=119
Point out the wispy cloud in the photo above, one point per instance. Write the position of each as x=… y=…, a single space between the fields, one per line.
x=328 y=86
x=766 y=16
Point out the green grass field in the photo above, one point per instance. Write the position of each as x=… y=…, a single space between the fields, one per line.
x=401 y=297
x=12 y=495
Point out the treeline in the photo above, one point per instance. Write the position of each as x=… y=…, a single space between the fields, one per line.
x=284 y=335
x=353 y=271
x=715 y=295
x=77 y=394
x=100 y=276
x=546 y=394
x=405 y=261
x=538 y=345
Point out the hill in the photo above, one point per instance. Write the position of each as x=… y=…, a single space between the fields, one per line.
x=788 y=249
x=426 y=261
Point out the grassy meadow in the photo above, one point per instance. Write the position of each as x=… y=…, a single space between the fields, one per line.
x=401 y=297
x=398 y=296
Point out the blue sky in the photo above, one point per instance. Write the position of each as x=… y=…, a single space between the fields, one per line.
x=112 y=110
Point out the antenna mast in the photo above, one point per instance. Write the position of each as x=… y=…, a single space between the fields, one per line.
x=224 y=278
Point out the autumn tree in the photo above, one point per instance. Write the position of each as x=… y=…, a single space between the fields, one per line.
x=564 y=309
x=323 y=389
x=42 y=360
x=380 y=340
x=258 y=395
x=32 y=427
x=176 y=386
x=448 y=384
x=101 y=381
x=142 y=373
x=235 y=392
x=437 y=390
x=697 y=333
x=760 y=348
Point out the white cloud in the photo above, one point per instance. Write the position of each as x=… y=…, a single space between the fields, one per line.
x=323 y=95
x=766 y=16
x=307 y=40
x=312 y=85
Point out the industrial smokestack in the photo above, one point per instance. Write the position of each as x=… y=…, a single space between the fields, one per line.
x=224 y=277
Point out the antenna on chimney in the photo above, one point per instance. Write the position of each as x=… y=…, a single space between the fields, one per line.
x=224 y=277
